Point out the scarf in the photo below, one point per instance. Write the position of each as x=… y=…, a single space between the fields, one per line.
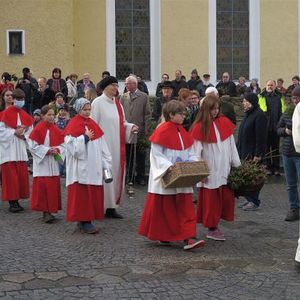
x=224 y=125
x=10 y=117
x=56 y=85
x=39 y=132
x=166 y=135
x=77 y=126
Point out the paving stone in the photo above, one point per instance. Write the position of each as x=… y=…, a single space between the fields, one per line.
x=18 y=277
x=51 y=275
x=9 y=286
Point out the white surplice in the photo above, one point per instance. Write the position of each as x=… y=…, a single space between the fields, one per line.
x=13 y=148
x=105 y=114
x=43 y=164
x=85 y=161
x=220 y=157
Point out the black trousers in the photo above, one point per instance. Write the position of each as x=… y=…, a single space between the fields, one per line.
x=140 y=163
x=273 y=160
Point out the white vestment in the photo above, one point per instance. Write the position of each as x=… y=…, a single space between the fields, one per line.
x=220 y=157
x=43 y=164
x=105 y=114
x=12 y=148
x=85 y=161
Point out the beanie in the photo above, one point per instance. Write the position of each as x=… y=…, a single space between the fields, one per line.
x=107 y=81
x=296 y=91
x=252 y=98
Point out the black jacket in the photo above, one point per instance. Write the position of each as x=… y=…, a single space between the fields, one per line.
x=285 y=121
x=63 y=86
x=226 y=88
x=252 y=138
x=178 y=85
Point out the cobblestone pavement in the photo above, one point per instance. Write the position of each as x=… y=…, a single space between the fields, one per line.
x=43 y=261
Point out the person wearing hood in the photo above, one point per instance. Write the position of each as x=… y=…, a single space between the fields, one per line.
x=87 y=158
x=252 y=138
x=272 y=103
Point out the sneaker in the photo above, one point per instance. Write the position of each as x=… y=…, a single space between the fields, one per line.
x=15 y=207
x=250 y=207
x=112 y=213
x=277 y=173
x=292 y=215
x=192 y=244
x=48 y=218
x=243 y=204
x=21 y=208
x=216 y=235
x=164 y=243
x=88 y=227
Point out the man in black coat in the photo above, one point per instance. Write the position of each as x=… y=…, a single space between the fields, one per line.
x=178 y=83
x=252 y=140
x=226 y=87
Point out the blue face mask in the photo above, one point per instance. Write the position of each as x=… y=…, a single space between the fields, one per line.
x=19 y=103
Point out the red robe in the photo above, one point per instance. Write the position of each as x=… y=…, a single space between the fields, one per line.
x=46 y=192
x=85 y=201
x=214 y=204
x=169 y=217
x=15 y=173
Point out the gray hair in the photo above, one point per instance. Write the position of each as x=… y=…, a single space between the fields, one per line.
x=131 y=77
x=211 y=90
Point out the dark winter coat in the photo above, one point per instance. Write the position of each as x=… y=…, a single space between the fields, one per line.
x=252 y=138
x=285 y=121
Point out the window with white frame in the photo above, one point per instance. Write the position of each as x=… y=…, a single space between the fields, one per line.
x=233 y=38
x=15 y=42
x=132 y=38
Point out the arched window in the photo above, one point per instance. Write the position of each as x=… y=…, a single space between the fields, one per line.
x=232 y=38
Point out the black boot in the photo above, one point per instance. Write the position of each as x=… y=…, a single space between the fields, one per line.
x=14 y=206
x=112 y=213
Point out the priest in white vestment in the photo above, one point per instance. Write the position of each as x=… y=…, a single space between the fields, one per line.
x=108 y=112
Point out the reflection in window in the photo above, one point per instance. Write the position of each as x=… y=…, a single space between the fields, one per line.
x=233 y=38
x=132 y=38
x=15 y=40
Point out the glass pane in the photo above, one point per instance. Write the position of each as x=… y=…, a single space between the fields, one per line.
x=141 y=4
x=142 y=70
x=224 y=20
x=141 y=37
x=224 y=38
x=240 y=70
x=141 y=54
x=124 y=36
x=240 y=38
x=241 y=5
x=123 y=54
x=224 y=55
x=241 y=55
x=123 y=70
x=124 y=4
x=224 y=5
x=15 y=42
x=123 y=18
x=141 y=18
x=241 y=20
x=224 y=68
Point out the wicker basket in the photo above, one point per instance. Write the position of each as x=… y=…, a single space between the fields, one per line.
x=185 y=174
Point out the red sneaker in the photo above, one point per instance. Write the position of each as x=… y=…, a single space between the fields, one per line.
x=192 y=244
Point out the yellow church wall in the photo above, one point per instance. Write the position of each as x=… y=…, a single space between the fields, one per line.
x=48 y=36
x=90 y=37
x=278 y=40
x=184 y=36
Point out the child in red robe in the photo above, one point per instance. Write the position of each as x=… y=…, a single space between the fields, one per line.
x=169 y=214
x=87 y=157
x=46 y=146
x=15 y=127
x=214 y=143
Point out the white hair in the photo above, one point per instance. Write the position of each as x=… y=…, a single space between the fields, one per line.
x=211 y=90
x=131 y=78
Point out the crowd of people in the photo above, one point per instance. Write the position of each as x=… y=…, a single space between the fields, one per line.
x=85 y=131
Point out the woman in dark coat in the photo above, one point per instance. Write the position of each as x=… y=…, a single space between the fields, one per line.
x=58 y=84
x=252 y=140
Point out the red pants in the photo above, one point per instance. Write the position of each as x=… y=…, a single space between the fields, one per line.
x=15 y=180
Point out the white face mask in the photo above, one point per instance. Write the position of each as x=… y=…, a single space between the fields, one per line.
x=19 y=103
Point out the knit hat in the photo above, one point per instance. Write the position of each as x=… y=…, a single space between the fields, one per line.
x=252 y=98
x=107 y=81
x=80 y=103
x=64 y=106
x=206 y=75
x=37 y=112
x=296 y=91
x=59 y=94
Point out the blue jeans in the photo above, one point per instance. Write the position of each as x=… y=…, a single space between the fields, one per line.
x=254 y=198
x=291 y=165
